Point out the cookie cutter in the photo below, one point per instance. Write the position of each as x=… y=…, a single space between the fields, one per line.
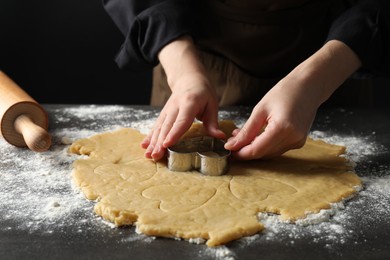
x=205 y=154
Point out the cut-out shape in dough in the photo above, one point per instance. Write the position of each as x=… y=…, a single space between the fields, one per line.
x=133 y=190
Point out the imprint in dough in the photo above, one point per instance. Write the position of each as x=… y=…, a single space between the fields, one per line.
x=133 y=190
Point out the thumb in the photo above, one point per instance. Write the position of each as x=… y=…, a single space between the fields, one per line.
x=248 y=132
x=210 y=122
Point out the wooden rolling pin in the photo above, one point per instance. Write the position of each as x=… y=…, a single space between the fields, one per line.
x=23 y=122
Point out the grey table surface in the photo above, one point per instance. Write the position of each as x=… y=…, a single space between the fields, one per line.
x=368 y=239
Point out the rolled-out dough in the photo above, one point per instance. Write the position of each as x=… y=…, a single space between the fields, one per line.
x=133 y=190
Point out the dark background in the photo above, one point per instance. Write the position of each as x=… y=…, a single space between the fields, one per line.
x=54 y=49
x=63 y=52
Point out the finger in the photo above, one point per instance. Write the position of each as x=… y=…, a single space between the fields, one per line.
x=154 y=135
x=272 y=142
x=182 y=123
x=146 y=145
x=159 y=149
x=235 y=132
x=248 y=132
x=146 y=141
x=148 y=151
x=210 y=122
x=260 y=146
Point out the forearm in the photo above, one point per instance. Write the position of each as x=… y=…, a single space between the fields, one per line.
x=365 y=28
x=325 y=71
x=180 y=59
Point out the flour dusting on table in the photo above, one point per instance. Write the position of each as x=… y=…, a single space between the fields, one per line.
x=37 y=195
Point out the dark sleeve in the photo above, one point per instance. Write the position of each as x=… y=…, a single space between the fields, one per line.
x=365 y=28
x=147 y=26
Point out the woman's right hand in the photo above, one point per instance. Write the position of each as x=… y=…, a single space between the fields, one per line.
x=192 y=97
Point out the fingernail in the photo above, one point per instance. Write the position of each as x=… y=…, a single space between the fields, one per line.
x=231 y=142
x=144 y=144
x=149 y=151
x=156 y=151
x=166 y=143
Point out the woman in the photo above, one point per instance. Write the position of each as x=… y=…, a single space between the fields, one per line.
x=285 y=57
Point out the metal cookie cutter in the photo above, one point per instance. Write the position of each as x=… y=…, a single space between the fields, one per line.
x=205 y=154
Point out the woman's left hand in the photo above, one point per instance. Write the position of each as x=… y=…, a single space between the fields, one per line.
x=282 y=119
x=279 y=122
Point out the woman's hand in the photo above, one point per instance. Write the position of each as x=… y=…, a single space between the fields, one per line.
x=192 y=97
x=279 y=122
x=282 y=119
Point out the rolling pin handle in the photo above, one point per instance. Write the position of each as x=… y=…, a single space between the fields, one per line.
x=36 y=137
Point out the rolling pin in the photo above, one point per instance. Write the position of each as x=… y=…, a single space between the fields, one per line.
x=23 y=122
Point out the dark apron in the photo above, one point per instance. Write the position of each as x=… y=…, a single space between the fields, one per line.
x=247 y=46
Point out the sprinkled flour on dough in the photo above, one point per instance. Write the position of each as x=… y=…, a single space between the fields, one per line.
x=37 y=195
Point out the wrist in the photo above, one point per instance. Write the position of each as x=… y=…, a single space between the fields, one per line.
x=180 y=59
x=323 y=72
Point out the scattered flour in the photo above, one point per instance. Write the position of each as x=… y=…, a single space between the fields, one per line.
x=222 y=252
x=37 y=194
